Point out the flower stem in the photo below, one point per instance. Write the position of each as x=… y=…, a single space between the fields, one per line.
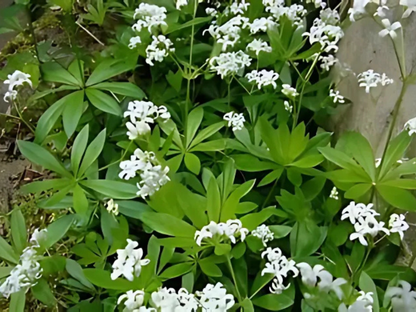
x=230 y=266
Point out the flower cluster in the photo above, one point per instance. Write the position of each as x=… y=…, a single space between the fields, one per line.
x=326 y=31
x=229 y=229
x=230 y=64
x=410 y=126
x=28 y=271
x=397 y=224
x=158 y=49
x=295 y=13
x=263 y=78
x=258 y=45
x=389 y=29
x=336 y=97
x=149 y=16
x=369 y=79
x=235 y=120
x=326 y=283
x=334 y=193
x=227 y=34
x=363 y=218
x=129 y=261
x=112 y=207
x=142 y=114
x=288 y=107
x=263 y=232
x=279 y=266
x=363 y=303
x=18 y=78
x=402 y=297
x=211 y=298
x=152 y=173
x=289 y=91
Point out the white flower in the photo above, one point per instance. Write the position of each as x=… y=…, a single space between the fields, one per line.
x=134 y=41
x=370 y=79
x=334 y=193
x=260 y=24
x=229 y=229
x=354 y=211
x=129 y=261
x=402 y=297
x=337 y=98
x=367 y=225
x=239 y=7
x=258 y=45
x=381 y=8
x=288 y=107
x=187 y=301
x=390 y=29
x=231 y=63
x=329 y=17
x=23 y=275
x=227 y=34
x=38 y=237
x=235 y=120
x=364 y=303
x=397 y=224
x=263 y=232
x=279 y=266
x=112 y=207
x=263 y=78
x=143 y=113
x=153 y=179
x=294 y=13
x=16 y=79
x=149 y=15
x=165 y=299
x=138 y=161
x=181 y=3
x=158 y=49
x=134 y=300
x=326 y=283
x=215 y=298
x=358 y=9
x=410 y=126
x=327 y=61
x=411 y=7
x=211 y=12
x=317 y=3
x=289 y=91
x=325 y=31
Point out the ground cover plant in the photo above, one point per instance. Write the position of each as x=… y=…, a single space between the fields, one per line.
x=187 y=166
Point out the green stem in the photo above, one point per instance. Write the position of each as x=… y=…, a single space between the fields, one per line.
x=117 y=161
x=230 y=266
x=32 y=31
x=270 y=194
x=21 y=117
x=260 y=288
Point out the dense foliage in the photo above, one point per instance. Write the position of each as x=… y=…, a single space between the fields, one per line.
x=196 y=131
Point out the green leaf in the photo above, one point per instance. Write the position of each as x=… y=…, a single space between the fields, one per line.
x=209 y=268
x=103 y=101
x=7 y=253
x=210 y=146
x=43 y=293
x=80 y=200
x=397 y=197
x=213 y=201
x=175 y=80
x=270 y=137
x=357 y=191
x=280 y=231
x=132 y=209
x=206 y=133
x=50 y=116
x=54 y=72
x=366 y=284
x=230 y=206
x=192 y=163
x=76 y=69
x=395 y=151
x=40 y=156
x=75 y=270
x=362 y=152
x=78 y=149
x=306 y=238
x=193 y=22
x=251 y=163
x=408 y=184
x=168 y=225
x=342 y=160
x=123 y=88
x=112 y=189
x=18 y=226
x=271 y=177
x=273 y=302
x=110 y=68
x=18 y=301
x=222 y=249
x=176 y=270
x=194 y=121
x=313 y=187
x=253 y=220
x=167 y=254
x=101 y=278
x=92 y=152
x=72 y=112
x=58 y=229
